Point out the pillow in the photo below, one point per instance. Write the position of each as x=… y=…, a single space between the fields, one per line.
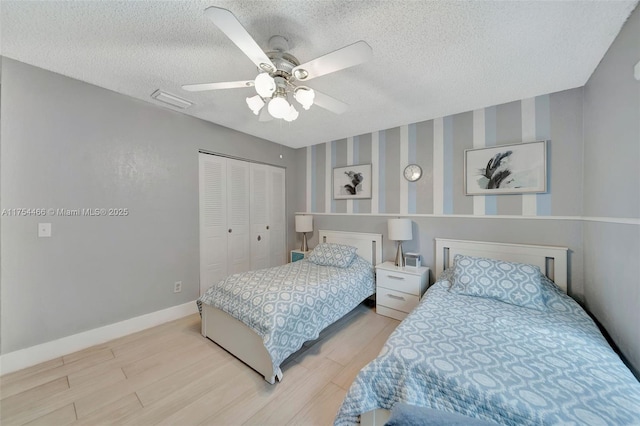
x=329 y=254
x=446 y=276
x=514 y=283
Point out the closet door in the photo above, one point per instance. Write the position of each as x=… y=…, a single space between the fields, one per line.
x=238 y=219
x=277 y=216
x=260 y=221
x=213 y=220
x=242 y=218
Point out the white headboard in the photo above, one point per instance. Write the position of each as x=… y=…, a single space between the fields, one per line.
x=369 y=245
x=551 y=260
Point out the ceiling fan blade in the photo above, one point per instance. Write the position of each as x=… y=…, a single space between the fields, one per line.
x=229 y=24
x=264 y=114
x=215 y=86
x=329 y=103
x=340 y=59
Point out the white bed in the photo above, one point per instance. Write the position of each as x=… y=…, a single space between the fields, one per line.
x=243 y=342
x=551 y=260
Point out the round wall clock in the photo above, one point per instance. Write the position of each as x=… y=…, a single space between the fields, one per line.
x=412 y=172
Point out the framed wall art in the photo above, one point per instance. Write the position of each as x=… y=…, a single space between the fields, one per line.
x=506 y=169
x=352 y=182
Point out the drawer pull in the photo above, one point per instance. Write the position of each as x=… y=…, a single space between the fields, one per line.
x=393 y=296
x=395 y=277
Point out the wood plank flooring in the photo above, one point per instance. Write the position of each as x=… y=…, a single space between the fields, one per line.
x=172 y=375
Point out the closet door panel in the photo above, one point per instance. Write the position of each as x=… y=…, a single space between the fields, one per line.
x=277 y=216
x=213 y=220
x=260 y=229
x=238 y=221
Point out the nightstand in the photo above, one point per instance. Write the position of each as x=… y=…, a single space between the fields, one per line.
x=298 y=255
x=398 y=289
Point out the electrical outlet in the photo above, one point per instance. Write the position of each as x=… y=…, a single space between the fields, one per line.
x=177 y=287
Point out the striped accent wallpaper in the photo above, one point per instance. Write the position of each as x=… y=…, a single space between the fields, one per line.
x=438 y=147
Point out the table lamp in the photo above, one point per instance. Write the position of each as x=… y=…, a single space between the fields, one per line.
x=304 y=224
x=400 y=230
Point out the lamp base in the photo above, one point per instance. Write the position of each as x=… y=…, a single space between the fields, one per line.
x=304 y=246
x=400 y=256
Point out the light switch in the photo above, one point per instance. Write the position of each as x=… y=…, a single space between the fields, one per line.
x=44 y=230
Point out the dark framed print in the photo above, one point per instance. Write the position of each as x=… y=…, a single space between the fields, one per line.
x=352 y=182
x=506 y=169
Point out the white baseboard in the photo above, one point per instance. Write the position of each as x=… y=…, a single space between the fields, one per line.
x=23 y=358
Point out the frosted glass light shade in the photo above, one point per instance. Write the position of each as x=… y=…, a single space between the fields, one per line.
x=292 y=114
x=304 y=96
x=265 y=85
x=304 y=223
x=255 y=103
x=400 y=229
x=278 y=107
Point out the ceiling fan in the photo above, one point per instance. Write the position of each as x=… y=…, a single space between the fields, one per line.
x=281 y=75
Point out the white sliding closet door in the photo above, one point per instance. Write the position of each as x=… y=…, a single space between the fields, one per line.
x=238 y=244
x=213 y=220
x=242 y=217
x=260 y=229
x=277 y=216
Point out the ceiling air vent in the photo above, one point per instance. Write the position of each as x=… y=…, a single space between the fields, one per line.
x=170 y=99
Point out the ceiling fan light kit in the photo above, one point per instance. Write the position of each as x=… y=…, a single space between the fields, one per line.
x=279 y=70
x=275 y=90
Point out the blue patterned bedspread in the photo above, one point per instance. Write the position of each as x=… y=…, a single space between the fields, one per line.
x=494 y=361
x=291 y=304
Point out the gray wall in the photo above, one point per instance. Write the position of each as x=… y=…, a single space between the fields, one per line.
x=67 y=144
x=612 y=190
x=557 y=118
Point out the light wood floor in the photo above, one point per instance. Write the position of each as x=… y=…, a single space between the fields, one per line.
x=172 y=375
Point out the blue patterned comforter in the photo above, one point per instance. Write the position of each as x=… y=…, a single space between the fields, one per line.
x=494 y=361
x=291 y=304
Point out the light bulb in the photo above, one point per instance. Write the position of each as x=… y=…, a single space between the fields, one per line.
x=278 y=107
x=255 y=103
x=265 y=85
x=304 y=96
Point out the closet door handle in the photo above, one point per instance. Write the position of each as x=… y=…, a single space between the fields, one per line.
x=393 y=296
x=229 y=230
x=259 y=238
x=267 y=227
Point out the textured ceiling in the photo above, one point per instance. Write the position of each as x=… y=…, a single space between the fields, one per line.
x=430 y=59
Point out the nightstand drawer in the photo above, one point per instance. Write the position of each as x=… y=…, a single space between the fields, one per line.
x=399 y=281
x=396 y=300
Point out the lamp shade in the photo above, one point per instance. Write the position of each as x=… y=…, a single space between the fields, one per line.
x=278 y=107
x=304 y=96
x=292 y=114
x=304 y=223
x=265 y=85
x=400 y=229
x=255 y=103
